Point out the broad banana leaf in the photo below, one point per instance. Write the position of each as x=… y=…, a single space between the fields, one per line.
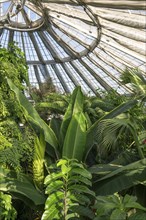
x=103 y=169
x=121 y=178
x=75 y=139
x=55 y=124
x=32 y=115
x=75 y=106
x=22 y=188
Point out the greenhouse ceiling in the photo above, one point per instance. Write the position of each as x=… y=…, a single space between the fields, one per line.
x=77 y=42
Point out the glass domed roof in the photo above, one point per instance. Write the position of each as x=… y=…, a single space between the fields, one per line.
x=77 y=42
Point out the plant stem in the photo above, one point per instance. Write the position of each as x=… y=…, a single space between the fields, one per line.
x=141 y=155
x=65 y=196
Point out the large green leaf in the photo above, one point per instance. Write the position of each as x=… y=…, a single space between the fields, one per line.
x=75 y=106
x=92 y=131
x=103 y=169
x=75 y=139
x=22 y=188
x=121 y=178
x=32 y=115
x=55 y=124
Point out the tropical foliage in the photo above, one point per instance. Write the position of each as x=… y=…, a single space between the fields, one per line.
x=68 y=192
x=117 y=207
x=7 y=211
x=77 y=157
x=17 y=138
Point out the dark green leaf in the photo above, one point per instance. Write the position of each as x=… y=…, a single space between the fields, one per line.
x=77 y=179
x=32 y=115
x=54 y=199
x=54 y=186
x=52 y=177
x=122 y=178
x=83 y=211
x=23 y=188
x=75 y=139
x=81 y=189
x=82 y=172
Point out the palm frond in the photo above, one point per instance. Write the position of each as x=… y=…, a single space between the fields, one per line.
x=92 y=131
x=109 y=131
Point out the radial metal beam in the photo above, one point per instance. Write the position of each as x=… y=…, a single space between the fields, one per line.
x=11 y=36
x=66 y=47
x=71 y=76
x=119 y=4
x=48 y=45
x=44 y=71
x=58 y=74
x=116 y=54
x=35 y=44
x=62 y=44
x=108 y=73
x=135 y=46
x=98 y=78
x=129 y=32
x=72 y=35
x=126 y=18
x=23 y=45
x=37 y=75
x=1 y=31
x=111 y=42
x=81 y=74
x=109 y=60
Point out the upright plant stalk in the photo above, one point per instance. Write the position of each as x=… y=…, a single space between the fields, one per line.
x=69 y=194
x=65 y=196
x=141 y=155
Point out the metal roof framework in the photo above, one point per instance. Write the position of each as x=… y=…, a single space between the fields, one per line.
x=77 y=42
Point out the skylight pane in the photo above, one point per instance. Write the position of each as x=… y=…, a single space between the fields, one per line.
x=61 y=53
x=66 y=78
x=32 y=77
x=88 y=75
x=55 y=79
x=4 y=38
x=45 y=53
x=30 y=51
x=4 y=7
x=33 y=16
x=18 y=40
